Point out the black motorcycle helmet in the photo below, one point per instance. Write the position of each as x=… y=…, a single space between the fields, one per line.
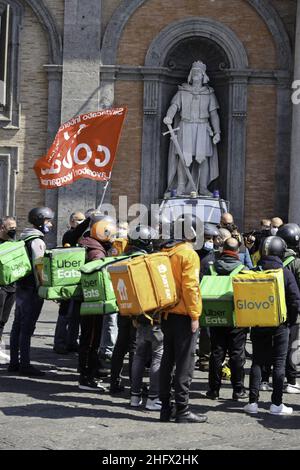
x=290 y=233
x=142 y=236
x=273 y=246
x=38 y=215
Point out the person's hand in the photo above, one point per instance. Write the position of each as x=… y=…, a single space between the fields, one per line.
x=168 y=120
x=216 y=139
x=194 y=325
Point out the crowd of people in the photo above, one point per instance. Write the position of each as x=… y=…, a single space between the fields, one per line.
x=164 y=342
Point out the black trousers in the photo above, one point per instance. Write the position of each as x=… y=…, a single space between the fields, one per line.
x=126 y=342
x=7 y=300
x=270 y=346
x=232 y=341
x=67 y=325
x=291 y=366
x=179 y=351
x=91 y=328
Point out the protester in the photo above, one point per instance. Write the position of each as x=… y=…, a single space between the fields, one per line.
x=229 y=340
x=28 y=302
x=270 y=345
x=8 y=228
x=180 y=324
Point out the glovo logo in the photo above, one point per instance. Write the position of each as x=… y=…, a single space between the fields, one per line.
x=255 y=305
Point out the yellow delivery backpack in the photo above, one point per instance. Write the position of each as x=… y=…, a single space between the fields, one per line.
x=143 y=284
x=259 y=298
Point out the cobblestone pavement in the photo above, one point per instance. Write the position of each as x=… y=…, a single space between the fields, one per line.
x=52 y=413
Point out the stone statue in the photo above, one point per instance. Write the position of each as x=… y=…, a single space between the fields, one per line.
x=198 y=135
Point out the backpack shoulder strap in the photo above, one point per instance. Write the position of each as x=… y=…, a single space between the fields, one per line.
x=288 y=261
x=212 y=270
x=237 y=270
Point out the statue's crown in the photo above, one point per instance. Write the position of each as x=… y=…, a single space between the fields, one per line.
x=199 y=65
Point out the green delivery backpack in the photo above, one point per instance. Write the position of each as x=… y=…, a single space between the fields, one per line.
x=98 y=293
x=60 y=267
x=14 y=262
x=217 y=298
x=61 y=292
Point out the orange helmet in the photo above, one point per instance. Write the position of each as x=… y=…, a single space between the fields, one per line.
x=104 y=230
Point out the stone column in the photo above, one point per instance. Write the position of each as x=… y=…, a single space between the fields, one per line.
x=80 y=91
x=294 y=209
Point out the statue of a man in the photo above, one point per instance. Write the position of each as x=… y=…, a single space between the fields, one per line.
x=198 y=135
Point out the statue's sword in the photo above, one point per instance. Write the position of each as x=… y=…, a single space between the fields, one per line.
x=174 y=139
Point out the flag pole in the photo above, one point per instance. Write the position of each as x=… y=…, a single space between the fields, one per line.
x=103 y=195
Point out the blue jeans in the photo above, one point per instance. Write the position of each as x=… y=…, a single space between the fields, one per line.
x=28 y=309
x=148 y=338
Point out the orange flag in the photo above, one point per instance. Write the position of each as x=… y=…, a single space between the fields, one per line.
x=84 y=147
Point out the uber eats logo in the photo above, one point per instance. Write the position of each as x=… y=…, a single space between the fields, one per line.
x=89 y=289
x=68 y=269
x=255 y=305
x=216 y=317
x=18 y=269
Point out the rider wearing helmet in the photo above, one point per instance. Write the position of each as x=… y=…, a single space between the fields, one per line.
x=180 y=324
x=270 y=345
x=28 y=302
x=290 y=233
x=97 y=243
x=140 y=241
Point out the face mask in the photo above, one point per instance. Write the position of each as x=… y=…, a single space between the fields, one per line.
x=12 y=233
x=274 y=230
x=209 y=246
x=46 y=228
x=122 y=233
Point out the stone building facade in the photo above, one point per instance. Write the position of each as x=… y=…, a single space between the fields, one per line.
x=67 y=57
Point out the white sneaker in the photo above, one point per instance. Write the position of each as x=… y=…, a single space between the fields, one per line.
x=153 y=405
x=251 y=408
x=136 y=401
x=281 y=410
x=293 y=388
x=265 y=387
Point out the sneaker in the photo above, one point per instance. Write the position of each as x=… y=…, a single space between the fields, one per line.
x=189 y=417
x=136 y=401
x=251 y=408
x=293 y=388
x=240 y=395
x=281 y=410
x=212 y=394
x=31 y=371
x=265 y=387
x=90 y=384
x=153 y=404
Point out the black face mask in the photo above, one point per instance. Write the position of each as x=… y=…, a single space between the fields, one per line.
x=12 y=233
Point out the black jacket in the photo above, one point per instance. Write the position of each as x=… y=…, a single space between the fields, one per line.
x=207 y=258
x=292 y=293
x=72 y=236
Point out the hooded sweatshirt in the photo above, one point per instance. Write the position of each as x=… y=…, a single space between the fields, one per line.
x=95 y=249
x=36 y=249
x=292 y=293
x=227 y=263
